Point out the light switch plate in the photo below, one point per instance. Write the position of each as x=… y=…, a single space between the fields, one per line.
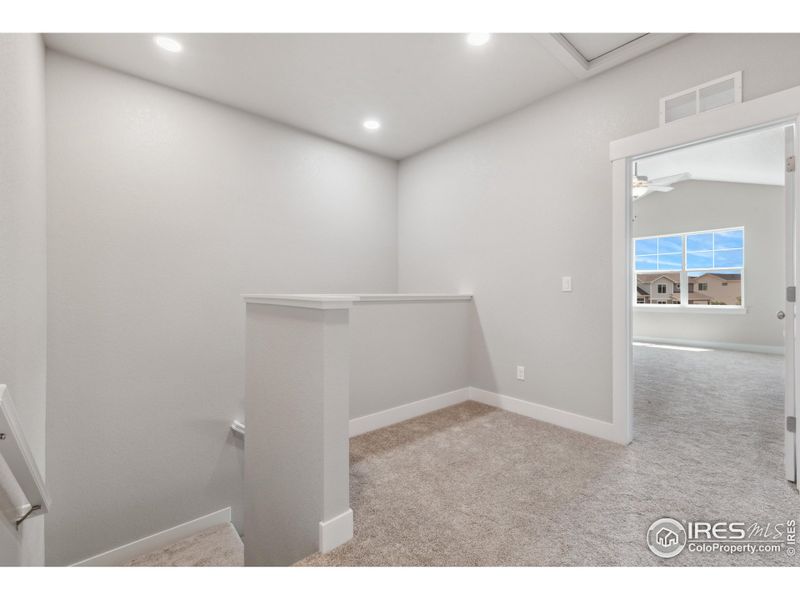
x=520 y=373
x=566 y=283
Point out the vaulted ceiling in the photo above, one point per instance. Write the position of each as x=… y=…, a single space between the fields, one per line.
x=421 y=88
x=754 y=157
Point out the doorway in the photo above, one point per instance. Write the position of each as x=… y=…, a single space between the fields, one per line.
x=712 y=330
x=780 y=108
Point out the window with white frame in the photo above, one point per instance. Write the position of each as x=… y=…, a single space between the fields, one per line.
x=702 y=268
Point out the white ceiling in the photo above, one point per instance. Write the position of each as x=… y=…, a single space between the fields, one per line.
x=424 y=88
x=591 y=46
x=756 y=157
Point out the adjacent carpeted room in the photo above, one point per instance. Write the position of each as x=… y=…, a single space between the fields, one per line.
x=474 y=485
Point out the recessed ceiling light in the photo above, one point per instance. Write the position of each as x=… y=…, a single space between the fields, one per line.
x=371 y=124
x=478 y=39
x=168 y=44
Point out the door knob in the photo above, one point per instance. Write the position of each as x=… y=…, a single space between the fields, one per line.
x=781 y=314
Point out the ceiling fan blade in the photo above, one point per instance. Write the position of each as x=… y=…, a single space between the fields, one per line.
x=670 y=179
x=653 y=188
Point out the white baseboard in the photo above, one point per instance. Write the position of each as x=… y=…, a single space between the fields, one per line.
x=122 y=554
x=336 y=531
x=562 y=418
x=712 y=345
x=403 y=412
x=548 y=414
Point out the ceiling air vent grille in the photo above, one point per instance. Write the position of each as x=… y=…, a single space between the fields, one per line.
x=704 y=97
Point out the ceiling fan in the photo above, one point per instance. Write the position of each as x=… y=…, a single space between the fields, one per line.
x=641 y=186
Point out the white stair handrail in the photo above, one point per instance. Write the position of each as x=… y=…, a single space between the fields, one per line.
x=18 y=456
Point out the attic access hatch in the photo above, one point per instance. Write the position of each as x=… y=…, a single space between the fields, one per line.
x=702 y=98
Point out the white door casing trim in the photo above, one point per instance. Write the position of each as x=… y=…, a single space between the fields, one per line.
x=773 y=109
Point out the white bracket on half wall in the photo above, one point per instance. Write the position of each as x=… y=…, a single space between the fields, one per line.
x=238 y=429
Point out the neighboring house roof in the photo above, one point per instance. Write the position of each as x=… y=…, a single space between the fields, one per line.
x=651 y=277
x=725 y=276
x=694 y=296
x=642 y=292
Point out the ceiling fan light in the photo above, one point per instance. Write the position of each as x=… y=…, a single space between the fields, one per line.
x=639 y=186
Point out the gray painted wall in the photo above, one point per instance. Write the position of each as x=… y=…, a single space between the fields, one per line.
x=23 y=267
x=506 y=209
x=298 y=464
x=699 y=205
x=163 y=209
x=406 y=351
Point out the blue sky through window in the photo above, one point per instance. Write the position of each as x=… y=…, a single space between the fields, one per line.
x=709 y=250
x=715 y=250
x=659 y=253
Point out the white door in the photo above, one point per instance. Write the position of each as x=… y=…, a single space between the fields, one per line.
x=791 y=449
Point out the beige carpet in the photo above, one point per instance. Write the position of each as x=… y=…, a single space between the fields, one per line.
x=218 y=546
x=473 y=485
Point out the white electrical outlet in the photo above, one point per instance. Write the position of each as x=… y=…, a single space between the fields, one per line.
x=566 y=283
x=520 y=373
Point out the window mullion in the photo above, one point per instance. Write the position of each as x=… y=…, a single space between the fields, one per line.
x=684 y=274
